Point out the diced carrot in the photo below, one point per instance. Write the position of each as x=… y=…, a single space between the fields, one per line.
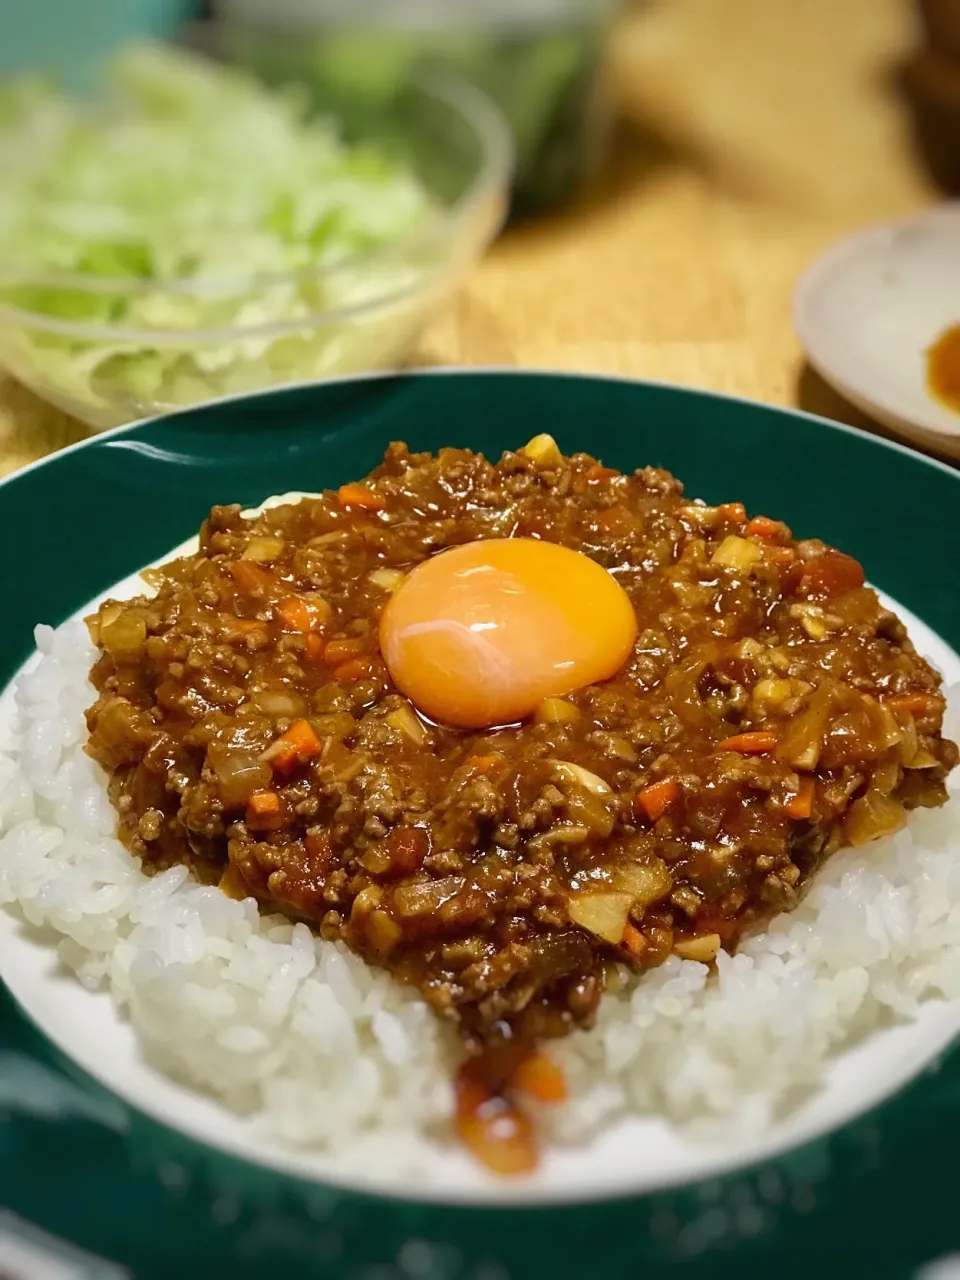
x=263 y=811
x=338 y=651
x=499 y=1135
x=832 y=574
x=655 y=798
x=299 y=743
x=633 y=940
x=358 y=495
x=300 y=613
x=800 y=806
x=354 y=669
x=754 y=743
x=540 y=1078
x=264 y=802
x=481 y=764
x=918 y=705
x=764 y=527
x=503 y=1141
x=281 y=758
x=314 y=647
x=733 y=511
x=782 y=557
x=251 y=578
x=597 y=474
x=294 y=614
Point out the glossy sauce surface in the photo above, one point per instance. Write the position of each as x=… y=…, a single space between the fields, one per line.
x=769 y=711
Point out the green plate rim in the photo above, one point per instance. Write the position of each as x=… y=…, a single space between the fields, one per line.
x=469 y=371
x=689 y=395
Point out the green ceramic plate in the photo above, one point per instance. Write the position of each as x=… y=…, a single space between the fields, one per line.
x=97 y=1185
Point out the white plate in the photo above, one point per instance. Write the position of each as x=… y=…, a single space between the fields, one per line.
x=637 y=1155
x=871 y=306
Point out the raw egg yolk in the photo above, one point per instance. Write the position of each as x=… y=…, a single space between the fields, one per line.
x=479 y=635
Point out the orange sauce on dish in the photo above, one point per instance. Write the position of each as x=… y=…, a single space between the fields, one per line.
x=943 y=368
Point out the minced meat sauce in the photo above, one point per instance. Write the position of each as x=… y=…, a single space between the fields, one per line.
x=771 y=712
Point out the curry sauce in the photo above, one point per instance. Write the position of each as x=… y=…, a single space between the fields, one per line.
x=771 y=711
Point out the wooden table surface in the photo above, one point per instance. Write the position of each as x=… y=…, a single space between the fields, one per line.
x=755 y=132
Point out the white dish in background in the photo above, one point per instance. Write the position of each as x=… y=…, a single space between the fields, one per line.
x=870 y=307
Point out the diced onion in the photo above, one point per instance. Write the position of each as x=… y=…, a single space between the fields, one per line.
x=561 y=834
x=405 y=719
x=383 y=932
x=872 y=816
x=343 y=763
x=621 y=748
x=542 y=449
x=239 y=774
x=704 y=948
x=812 y=619
x=922 y=760
x=427 y=898
x=591 y=810
x=279 y=703
x=748 y=648
x=554 y=711
x=576 y=773
x=367 y=900
x=737 y=553
x=702 y=516
x=691 y=595
x=125 y=635
x=644 y=881
x=263 y=550
x=603 y=914
x=376 y=860
x=885 y=777
x=772 y=693
x=802 y=741
x=907 y=737
x=388 y=579
x=335 y=725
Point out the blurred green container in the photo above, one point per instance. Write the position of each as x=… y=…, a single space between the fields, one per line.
x=69 y=39
x=540 y=61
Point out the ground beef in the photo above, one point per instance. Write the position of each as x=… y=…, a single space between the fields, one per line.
x=770 y=712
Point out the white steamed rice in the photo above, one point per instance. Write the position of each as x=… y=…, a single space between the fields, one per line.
x=322 y=1049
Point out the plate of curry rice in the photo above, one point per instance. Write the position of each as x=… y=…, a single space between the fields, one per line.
x=465 y=791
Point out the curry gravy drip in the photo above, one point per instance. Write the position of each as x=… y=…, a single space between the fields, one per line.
x=771 y=711
x=943 y=368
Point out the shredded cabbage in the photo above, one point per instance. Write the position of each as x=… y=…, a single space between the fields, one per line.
x=189 y=180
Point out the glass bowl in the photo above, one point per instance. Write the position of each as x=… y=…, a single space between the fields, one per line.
x=361 y=312
x=541 y=61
